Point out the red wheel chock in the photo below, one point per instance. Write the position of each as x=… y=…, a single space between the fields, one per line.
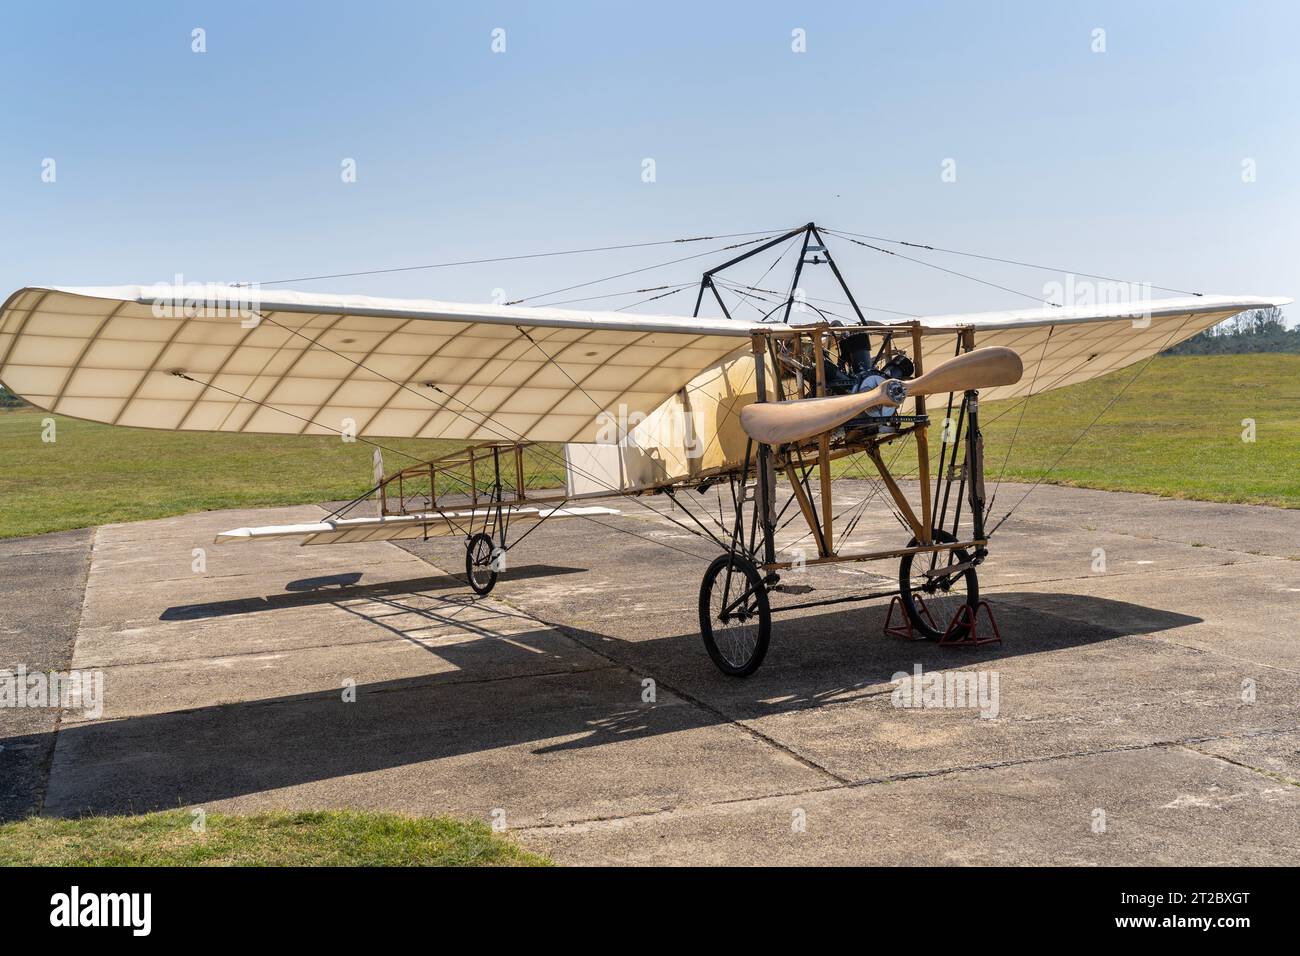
x=969 y=620
x=904 y=629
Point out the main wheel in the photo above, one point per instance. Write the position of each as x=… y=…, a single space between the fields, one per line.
x=735 y=617
x=924 y=576
x=479 y=565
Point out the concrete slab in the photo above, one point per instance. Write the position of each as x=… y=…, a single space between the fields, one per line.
x=436 y=656
x=1123 y=690
x=1246 y=612
x=140 y=625
x=1248 y=529
x=1162 y=804
x=228 y=690
x=542 y=748
x=1277 y=755
x=41 y=585
x=1152 y=651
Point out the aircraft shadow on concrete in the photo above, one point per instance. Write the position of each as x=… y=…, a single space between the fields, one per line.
x=585 y=692
x=333 y=588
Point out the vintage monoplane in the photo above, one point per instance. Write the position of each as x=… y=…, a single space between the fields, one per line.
x=752 y=415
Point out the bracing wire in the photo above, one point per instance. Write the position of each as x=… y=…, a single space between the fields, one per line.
x=480 y=424
x=632 y=272
x=743 y=292
x=531 y=255
x=617 y=295
x=1010 y=262
x=1114 y=398
x=951 y=272
x=759 y=291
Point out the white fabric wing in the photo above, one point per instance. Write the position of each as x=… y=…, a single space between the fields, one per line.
x=1062 y=347
x=304 y=363
x=297 y=363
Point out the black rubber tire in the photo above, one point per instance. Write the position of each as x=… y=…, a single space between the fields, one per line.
x=479 y=566
x=967 y=579
x=739 y=655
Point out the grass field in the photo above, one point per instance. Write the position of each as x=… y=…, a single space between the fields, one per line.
x=324 y=838
x=1176 y=431
x=95 y=474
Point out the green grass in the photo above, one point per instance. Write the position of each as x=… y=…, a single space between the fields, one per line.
x=1175 y=432
x=96 y=474
x=320 y=838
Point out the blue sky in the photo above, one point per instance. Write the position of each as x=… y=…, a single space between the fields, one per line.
x=225 y=165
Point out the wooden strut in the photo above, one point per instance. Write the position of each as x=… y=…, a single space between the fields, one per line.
x=823 y=450
x=765 y=506
x=519 y=472
x=922 y=441
x=820 y=527
x=771 y=460
x=810 y=516
x=880 y=555
x=448 y=464
x=897 y=494
x=473 y=482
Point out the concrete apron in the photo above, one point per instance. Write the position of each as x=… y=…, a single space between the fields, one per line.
x=363 y=675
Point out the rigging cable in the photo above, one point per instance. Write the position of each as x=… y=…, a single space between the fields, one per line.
x=952 y=272
x=672 y=290
x=1020 y=421
x=738 y=290
x=1012 y=262
x=481 y=424
x=244 y=398
x=533 y=255
x=620 y=275
x=600 y=411
x=814 y=298
x=775 y=262
x=1105 y=409
x=485 y=418
x=662 y=295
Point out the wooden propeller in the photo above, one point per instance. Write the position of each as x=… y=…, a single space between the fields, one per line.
x=775 y=423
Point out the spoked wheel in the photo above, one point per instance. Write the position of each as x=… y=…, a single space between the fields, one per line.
x=735 y=617
x=942 y=594
x=479 y=566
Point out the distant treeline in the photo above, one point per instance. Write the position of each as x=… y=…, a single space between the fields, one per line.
x=1260 y=330
x=9 y=400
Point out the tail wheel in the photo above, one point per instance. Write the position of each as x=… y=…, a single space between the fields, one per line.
x=735 y=616
x=480 y=566
x=942 y=593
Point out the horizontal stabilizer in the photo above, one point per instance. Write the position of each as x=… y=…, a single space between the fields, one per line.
x=397 y=527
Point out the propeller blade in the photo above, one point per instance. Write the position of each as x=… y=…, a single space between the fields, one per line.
x=775 y=423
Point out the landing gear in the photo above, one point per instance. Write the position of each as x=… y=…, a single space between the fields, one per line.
x=735 y=617
x=942 y=591
x=480 y=563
